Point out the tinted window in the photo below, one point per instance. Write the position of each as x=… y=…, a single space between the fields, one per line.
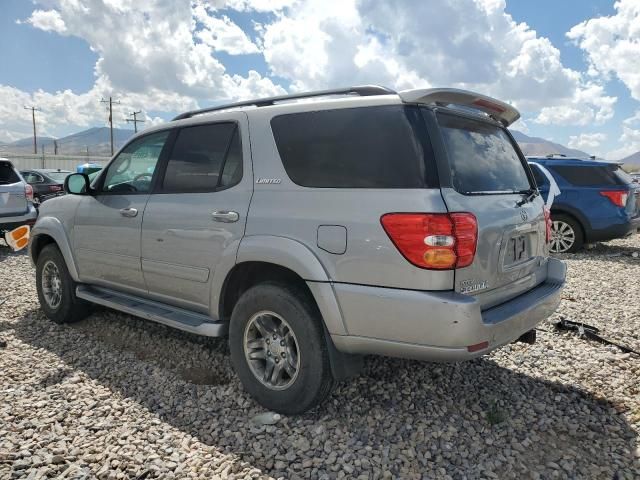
x=7 y=174
x=373 y=147
x=482 y=157
x=589 y=176
x=133 y=168
x=538 y=175
x=198 y=157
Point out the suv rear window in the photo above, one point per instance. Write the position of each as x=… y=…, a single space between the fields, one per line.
x=482 y=157
x=590 y=176
x=8 y=174
x=366 y=147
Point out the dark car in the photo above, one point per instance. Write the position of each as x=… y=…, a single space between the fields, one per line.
x=46 y=183
x=598 y=201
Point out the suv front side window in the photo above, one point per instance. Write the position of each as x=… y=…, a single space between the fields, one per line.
x=132 y=170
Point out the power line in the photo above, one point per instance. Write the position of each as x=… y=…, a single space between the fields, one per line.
x=33 y=116
x=135 y=120
x=110 y=102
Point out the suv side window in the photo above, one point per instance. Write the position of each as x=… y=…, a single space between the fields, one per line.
x=204 y=158
x=588 y=176
x=132 y=170
x=366 y=147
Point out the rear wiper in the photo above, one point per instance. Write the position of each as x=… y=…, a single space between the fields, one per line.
x=530 y=195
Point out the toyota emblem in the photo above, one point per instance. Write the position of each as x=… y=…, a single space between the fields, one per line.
x=523 y=215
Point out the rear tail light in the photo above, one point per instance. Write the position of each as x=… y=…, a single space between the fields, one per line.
x=617 y=197
x=548 y=224
x=437 y=241
x=28 y=191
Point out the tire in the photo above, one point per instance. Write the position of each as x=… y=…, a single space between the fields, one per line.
x=304 y=379
x=571 y=238
x=67 y=308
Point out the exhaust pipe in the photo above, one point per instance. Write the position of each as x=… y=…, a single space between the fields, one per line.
x=528 y=337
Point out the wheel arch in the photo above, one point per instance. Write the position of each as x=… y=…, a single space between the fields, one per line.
x=577 y=216
x=47 y=231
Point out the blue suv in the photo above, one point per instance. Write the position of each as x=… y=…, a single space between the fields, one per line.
x=598 y=201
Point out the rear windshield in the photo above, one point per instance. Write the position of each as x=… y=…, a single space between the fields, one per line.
x=592 y=176
x=367 y=147
x=481 y=156
x=58 y=176
x=7 y=174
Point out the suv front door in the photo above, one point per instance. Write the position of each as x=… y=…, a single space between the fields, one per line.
x=196 y=217
x=108 y=222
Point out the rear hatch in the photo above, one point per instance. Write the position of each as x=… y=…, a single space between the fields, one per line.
x=13 y=200
x=489 y=178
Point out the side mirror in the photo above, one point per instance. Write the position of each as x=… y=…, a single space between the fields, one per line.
x=77 y=184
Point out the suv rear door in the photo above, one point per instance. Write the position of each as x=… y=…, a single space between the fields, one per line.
x=483 y=172
x=196 y=217
x=13 y=199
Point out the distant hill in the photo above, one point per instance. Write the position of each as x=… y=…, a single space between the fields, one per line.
x=633 y=159
x=95 y=139
x=540 y=146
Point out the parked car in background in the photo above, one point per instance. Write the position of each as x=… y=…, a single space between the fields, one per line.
x=311 y=232
x=598 y=201
x=16 y=199
x=46 y=182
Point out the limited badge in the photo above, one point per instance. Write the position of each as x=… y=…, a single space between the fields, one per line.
x=18 y=238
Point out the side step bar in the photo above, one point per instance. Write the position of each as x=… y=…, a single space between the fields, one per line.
x=155 y=311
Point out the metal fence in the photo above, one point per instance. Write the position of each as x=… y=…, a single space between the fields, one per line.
x=64 y=162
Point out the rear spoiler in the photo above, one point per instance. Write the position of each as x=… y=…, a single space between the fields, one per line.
x=500 y=111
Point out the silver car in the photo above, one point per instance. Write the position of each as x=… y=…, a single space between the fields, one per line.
x=16 y=199
x=311 y=233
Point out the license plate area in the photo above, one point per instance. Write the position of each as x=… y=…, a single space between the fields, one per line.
x=518 y=250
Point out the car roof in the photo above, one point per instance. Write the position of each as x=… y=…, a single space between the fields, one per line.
x=570 y=162
x=46 y=170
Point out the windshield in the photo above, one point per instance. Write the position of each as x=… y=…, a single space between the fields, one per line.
x=482 y=157
x=58 y=176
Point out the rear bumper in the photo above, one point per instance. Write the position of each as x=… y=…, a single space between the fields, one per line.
x=439 y=326
x=619 y=230
x=9 y=223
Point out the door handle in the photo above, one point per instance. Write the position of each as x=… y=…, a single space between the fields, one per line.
x=225 y=216
x=129 y=212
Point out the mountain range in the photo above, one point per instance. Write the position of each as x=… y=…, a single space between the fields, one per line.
x=96 y=142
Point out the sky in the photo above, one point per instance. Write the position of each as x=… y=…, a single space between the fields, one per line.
x=572 y=68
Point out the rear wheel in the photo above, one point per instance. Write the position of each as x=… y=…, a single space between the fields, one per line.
x=278 y=348
x=566 y=234
x=56 y=288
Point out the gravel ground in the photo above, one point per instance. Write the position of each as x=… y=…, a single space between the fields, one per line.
x=118 y=397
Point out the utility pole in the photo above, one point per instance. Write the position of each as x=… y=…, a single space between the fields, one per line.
x=135 y=120
x=55 y=147
x=33 y=117
x=110 y=102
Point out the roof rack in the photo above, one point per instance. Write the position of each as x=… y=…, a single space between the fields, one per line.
x=556 y=155
x=362 y=90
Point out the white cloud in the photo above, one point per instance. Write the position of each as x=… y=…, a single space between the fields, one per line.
x=612 y=44
x=470 y=44
x=630 y=138
x=47 y=20
x=221 y=34
x=586 y=141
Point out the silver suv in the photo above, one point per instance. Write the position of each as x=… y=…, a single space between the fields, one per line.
x=16 y=199
x=312 y=232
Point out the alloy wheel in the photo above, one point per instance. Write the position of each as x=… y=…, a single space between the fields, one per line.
x=562 y=236
x=271 y=350
x=51 y=285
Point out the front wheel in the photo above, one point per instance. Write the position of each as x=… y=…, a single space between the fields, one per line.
x=566 y=234
x=56 y=288
x=278 y=349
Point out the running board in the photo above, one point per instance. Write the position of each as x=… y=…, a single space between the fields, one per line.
x=155 y=311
